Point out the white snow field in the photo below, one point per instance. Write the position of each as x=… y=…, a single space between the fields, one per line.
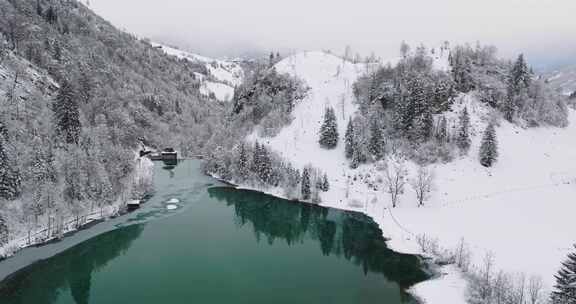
x=521 y=210
x=223 y=75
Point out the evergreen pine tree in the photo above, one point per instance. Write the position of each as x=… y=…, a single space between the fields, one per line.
x=442 y=132
x=329 y=130
x=306 y=192
x=4 y=235
x=463 y=138
x=519 y=80
x=3 y=131
x=265 y=172
x=565 y=288
x=356 y=159
x=243 y=161
x=376 y=144
x=86 y=86
x=10 y=180
x=67 y=113
x=349 y=140
x=271 y=62
x=51 y=15
x=39 y=10
x=489 y=147
x=325 y=183
x=461 y=70
x=519 y=77
x=423 y=127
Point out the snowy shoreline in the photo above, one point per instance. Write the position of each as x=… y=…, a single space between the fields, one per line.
x=73 y=224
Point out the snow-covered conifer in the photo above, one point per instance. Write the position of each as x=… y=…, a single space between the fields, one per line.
x=306 y=191
x=489 y=147
x=349 y=140
x=67 y=113
x=565 y=288
x=4 y=233
x=10 y=180
x=463 y=137
x=519 y=77
x=442 y=131
x=323 y=183
x=329 y=130
x=376 y=144
x=243 y=161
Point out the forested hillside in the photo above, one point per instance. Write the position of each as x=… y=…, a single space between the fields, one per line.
x=78 y=99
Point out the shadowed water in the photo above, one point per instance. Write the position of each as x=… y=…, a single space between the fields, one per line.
x=222 y=245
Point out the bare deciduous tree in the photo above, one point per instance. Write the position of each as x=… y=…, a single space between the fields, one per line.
x=422 y=184
x=395 y=179
x=462 y=256
x=501 y=288
x=535 y=287
x=485 y=288
x=518 y=293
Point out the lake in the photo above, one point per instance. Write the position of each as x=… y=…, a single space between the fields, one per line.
x=219 y=245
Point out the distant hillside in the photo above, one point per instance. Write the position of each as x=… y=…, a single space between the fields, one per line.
x=218 y=77
x=563 y=79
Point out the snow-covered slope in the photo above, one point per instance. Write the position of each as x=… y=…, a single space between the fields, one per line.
x=222 y=76
x=330 y=79
x=520 y=210
x=563 y=79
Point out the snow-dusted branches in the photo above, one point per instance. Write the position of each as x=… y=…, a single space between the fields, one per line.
x=422 y=184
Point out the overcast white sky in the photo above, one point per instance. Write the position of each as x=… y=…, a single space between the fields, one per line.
x=544 y=29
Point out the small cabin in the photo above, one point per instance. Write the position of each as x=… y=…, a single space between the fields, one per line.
x=133 y=205
x=167 y=155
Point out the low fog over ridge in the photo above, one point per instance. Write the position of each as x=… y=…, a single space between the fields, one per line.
x=541 y=29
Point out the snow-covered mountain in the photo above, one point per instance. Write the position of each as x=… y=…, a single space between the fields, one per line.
x=221 y=76
x=519 y=210
x=563 y=79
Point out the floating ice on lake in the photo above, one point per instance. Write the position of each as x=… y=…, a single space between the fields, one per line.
x=171 y=207
x=173 y=201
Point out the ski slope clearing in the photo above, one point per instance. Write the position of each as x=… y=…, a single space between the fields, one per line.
x=222 y=75
x=520 y=210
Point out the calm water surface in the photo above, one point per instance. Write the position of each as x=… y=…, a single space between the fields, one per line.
x=220 y=245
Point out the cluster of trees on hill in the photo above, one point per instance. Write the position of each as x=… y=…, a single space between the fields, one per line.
x=266 y=99
x=77 y=98
x=398 y=106
x=513 y=89
x=404 y=107
x=257 y=166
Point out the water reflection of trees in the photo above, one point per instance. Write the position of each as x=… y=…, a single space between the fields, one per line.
x=350 y=235
x=41 y=282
